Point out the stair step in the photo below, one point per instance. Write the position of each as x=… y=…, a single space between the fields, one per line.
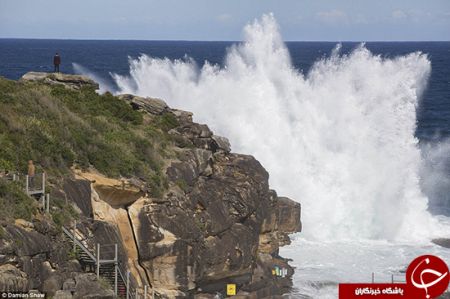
x=106 y=271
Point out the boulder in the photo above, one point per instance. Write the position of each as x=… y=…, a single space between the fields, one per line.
x=222 y=143
x=87 y=286
x=69 y=285
x=151 y=105
x=28 y=243
x=183 y=117
x=289 y=215
x=12 y=279
x=442 y=242
x=24 y=224
x=61 y=294
x=52 y=284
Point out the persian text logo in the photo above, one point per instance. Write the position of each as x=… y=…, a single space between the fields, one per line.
x=429 y=275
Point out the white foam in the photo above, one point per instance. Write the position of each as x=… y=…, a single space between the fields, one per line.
x=104 y=86
x=339 y=139
x=320 y=266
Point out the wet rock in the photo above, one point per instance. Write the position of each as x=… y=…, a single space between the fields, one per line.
x=289 y=215
x=444 y=242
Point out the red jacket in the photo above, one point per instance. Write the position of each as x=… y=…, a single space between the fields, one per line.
x=57 y=60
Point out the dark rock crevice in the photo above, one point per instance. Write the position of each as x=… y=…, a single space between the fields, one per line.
x=147 y=277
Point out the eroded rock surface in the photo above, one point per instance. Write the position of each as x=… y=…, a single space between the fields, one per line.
x=69 y=81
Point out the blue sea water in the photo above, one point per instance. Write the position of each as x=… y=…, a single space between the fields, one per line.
x=18 y=56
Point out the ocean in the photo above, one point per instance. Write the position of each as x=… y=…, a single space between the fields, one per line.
x=357 y=133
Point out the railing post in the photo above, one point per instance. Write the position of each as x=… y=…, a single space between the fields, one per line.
x=145 y=292
x=26 y=184
x=42 y=201
x=98 y=260
x=14 y=177
x=43 y=183
x=116 y=259
x=392 y=278
x=153 y=293
x=73 y=233
x=128 y=284
x=373 y=277
x=48 y=203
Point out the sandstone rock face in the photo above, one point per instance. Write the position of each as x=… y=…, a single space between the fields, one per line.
x=69 y=81
x=116 y=193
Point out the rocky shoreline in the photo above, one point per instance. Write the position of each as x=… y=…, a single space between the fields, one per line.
x=217 y=222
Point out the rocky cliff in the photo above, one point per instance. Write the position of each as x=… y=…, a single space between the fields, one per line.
x=215 y=221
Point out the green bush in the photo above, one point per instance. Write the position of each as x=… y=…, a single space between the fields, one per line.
x=166 y=121
x=14 y=203
x=58 y=128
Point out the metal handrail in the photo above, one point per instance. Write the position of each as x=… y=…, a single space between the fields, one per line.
x=128 y=282
x=394 y=278
x=131 y=289
x=74 y=239
x=121 y=268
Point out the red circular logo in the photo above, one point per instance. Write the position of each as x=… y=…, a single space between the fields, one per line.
x=428 y=275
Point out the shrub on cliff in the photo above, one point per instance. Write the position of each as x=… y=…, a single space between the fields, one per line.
x=59 y=128
x=14 y=203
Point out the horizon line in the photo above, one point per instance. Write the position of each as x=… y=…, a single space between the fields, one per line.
x=229 y=41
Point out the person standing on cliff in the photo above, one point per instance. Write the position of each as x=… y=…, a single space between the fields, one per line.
x=56 y=62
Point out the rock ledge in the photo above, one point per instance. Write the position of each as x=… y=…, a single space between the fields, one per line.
x=69 y=81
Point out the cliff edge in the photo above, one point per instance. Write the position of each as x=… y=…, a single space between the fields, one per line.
x=189 y=215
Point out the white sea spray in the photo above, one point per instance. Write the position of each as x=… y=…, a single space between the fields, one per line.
x=339 y=139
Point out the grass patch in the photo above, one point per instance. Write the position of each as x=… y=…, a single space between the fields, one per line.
x=182 y=184
x=74 y=254
x=63 y=211
x=167 y=121
x=14 y=203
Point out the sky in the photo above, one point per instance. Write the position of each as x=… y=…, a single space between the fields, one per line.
x=300 y=20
